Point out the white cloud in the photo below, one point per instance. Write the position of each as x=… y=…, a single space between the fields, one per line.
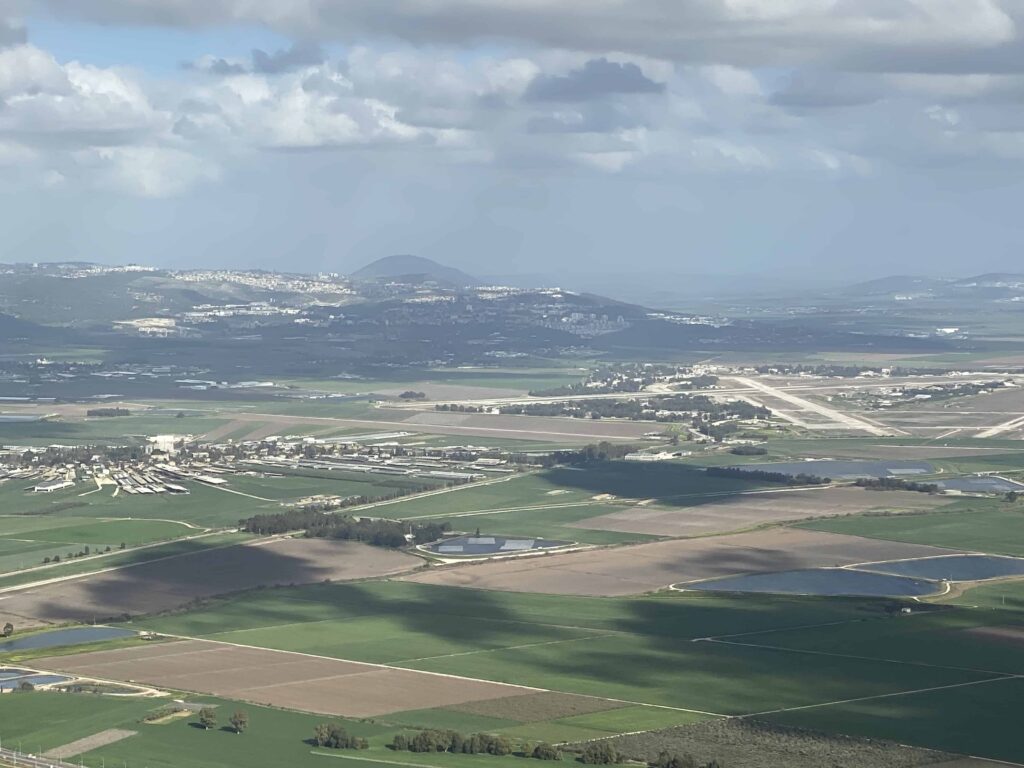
x=42 y=101
x=732 y=81
x=145 y=171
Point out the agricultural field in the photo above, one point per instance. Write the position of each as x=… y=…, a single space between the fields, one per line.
x=25 y=541
x=203 y=506
x=978 y=525
x=789 y=660
x=754 y=509
x=120 y=558
x=44 y=721
x=562 y=502
x=196 y=571
x=639 y=568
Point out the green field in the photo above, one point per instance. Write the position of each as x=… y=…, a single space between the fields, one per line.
x=639 y=651
x=126 y=557
x=203 y=506
x=41 y=721
x=985 y=526
x=119 y=430
x=25 y=541
x=549 y=502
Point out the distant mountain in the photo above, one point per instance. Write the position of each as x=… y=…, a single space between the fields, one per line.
x=994 y=286
x=414 y=269
x=1012 y=280
x=909 y=284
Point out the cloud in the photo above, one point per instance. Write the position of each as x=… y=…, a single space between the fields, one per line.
x=43 y=102
x=595 y=80
x=315 y=109
x=827 y=90
x=11 y=34
x=906 y=34
x=214 y=65
x=590 y=118
x=297 y=56
x=145 y=171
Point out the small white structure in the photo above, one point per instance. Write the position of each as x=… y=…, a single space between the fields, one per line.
x=52 y=485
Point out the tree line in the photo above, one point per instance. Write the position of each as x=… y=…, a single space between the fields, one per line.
x=669 y=408
x=895 y=484
x=739 y=473
x=602 y=752
x=321 y=525
x=108 y=412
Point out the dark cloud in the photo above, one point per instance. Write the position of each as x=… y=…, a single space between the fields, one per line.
x=215 y=67
x=597 y=78
x=870 y=35
x=11 y=34
x=301 y=54
x=827 y=90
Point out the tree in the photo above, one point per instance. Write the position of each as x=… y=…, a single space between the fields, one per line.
x=8 y=629
x=599 y=753
x=669 y=760
x=1012 y=496
x=207 y=718
x=321 y=734
x=544 y=751
x=239 y=720
x=400 y=743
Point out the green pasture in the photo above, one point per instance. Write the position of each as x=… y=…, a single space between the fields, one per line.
x=127 y=557
x=204 y=506
x=551 y=502
x=548 y=502
x=552 y=521
x=40 y=721
x=25 y=541
x=978 y=719
x=640 y=650
x=977 y=524
x=98 y=430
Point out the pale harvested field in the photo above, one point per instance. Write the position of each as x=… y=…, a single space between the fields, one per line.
x=737 y=513
x=89 y=743
x=536 y=428
x=529 y=425
x=279 y=678
x=165 y=584
x=646 y=567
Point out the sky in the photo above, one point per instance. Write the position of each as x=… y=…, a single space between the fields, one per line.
x=749 y=139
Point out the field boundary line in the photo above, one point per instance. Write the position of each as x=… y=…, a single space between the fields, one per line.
x=809 y=652
x=370 y=759
x=506 y=648
x=87 y=574
x=482 y=512
x=881 y=696
x=445 y=674
x=439 y=491
x=353 y=661
x=722 y=638
x=378 y=614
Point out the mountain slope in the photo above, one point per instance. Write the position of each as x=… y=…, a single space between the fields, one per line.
x=416 y=268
